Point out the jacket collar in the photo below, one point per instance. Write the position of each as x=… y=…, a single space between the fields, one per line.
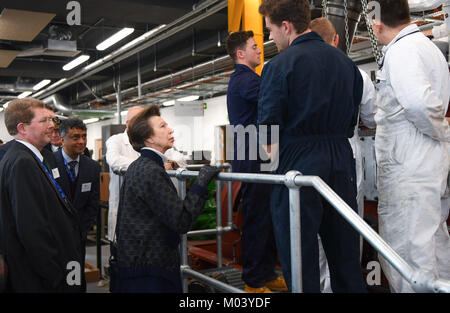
x=66 y=204
x=306 y=37
x=32 y=148
x=151 y=154
x=404 y=32
x=68 y=158
x=243 y=67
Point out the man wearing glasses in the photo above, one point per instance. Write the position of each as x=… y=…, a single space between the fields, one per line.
x=39 y=232
x=79 y=177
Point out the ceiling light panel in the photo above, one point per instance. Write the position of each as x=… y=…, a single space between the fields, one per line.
x=42 y=84
x=81 y=59
x=115 y=38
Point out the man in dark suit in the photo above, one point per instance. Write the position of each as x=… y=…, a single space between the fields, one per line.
x=39 y=234
x=78 y=175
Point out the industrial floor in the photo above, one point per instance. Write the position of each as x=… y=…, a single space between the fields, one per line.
x=100 y=286
x=229 y=275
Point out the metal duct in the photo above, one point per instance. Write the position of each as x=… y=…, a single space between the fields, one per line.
x=336 y=14
x=57 y=102
x=17 y=87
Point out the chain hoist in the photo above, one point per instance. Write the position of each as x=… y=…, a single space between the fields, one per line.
x=324 y=8
x=347 y=39
x=373 y=40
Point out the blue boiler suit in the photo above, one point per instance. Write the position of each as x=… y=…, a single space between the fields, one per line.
x=312 y=91
x=258 y=243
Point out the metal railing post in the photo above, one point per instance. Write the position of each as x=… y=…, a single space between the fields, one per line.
x=230 y=199
x=219 y=223
x=183 y=245
x=295 y=231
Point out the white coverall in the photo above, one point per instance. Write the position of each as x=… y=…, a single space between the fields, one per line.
x=119 y=155
x=412 y=150
x=367 y=114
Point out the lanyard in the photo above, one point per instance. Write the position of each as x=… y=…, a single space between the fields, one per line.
x=68 y=170
x=417 y=31
x=63 y=195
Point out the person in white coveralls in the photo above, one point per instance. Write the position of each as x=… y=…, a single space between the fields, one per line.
x=412 y=146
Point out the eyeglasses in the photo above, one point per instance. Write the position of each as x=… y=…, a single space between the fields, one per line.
x=47 y=120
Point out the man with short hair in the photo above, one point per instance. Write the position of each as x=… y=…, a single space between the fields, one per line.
x=78 y=176
x=367 y=111
x=259 y=252
x=39 y=233
x=55 y=138
x=312 y=91
x=412 y=146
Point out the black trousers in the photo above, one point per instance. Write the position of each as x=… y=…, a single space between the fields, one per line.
x=332 y=160
x=259 y=254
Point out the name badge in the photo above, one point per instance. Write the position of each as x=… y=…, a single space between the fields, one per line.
x=55 y=173
x=86 y=187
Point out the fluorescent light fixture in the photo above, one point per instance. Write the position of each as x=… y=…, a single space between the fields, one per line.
x=189 y=98
x=115 y=38
x=42 y=84
x=24 y=94
x=81 y=59
x=169 y=103
x=91 y=120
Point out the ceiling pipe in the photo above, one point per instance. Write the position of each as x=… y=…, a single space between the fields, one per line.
x=143 y=42
x=58 y=103
x=16 y=87
x=217 y=66
x=162 y=64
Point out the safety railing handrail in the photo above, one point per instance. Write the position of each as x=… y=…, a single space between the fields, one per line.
x=420 y=280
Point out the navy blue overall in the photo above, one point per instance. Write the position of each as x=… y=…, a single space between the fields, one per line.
x=258 y=243
x=313 y=90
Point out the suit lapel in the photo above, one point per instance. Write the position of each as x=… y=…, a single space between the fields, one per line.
x=63 y=179
x=65 y=203
x=82 y=174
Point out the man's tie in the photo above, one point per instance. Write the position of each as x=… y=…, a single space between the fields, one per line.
x=72 y=165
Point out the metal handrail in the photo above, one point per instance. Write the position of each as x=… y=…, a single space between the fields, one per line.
x=420 y=280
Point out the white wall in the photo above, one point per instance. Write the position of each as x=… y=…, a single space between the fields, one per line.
x=94 y=132
x=191 y=133
x=3 y=132
x=197 y=133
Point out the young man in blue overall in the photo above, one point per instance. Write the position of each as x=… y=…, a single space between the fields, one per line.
x=258 y=243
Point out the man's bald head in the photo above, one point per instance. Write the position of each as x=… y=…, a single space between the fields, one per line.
x=132 y=112
x=326 y=30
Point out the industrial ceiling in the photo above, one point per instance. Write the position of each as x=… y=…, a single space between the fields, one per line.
x=176 y=49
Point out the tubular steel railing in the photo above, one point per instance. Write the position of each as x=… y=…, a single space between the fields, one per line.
x=420 y=280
